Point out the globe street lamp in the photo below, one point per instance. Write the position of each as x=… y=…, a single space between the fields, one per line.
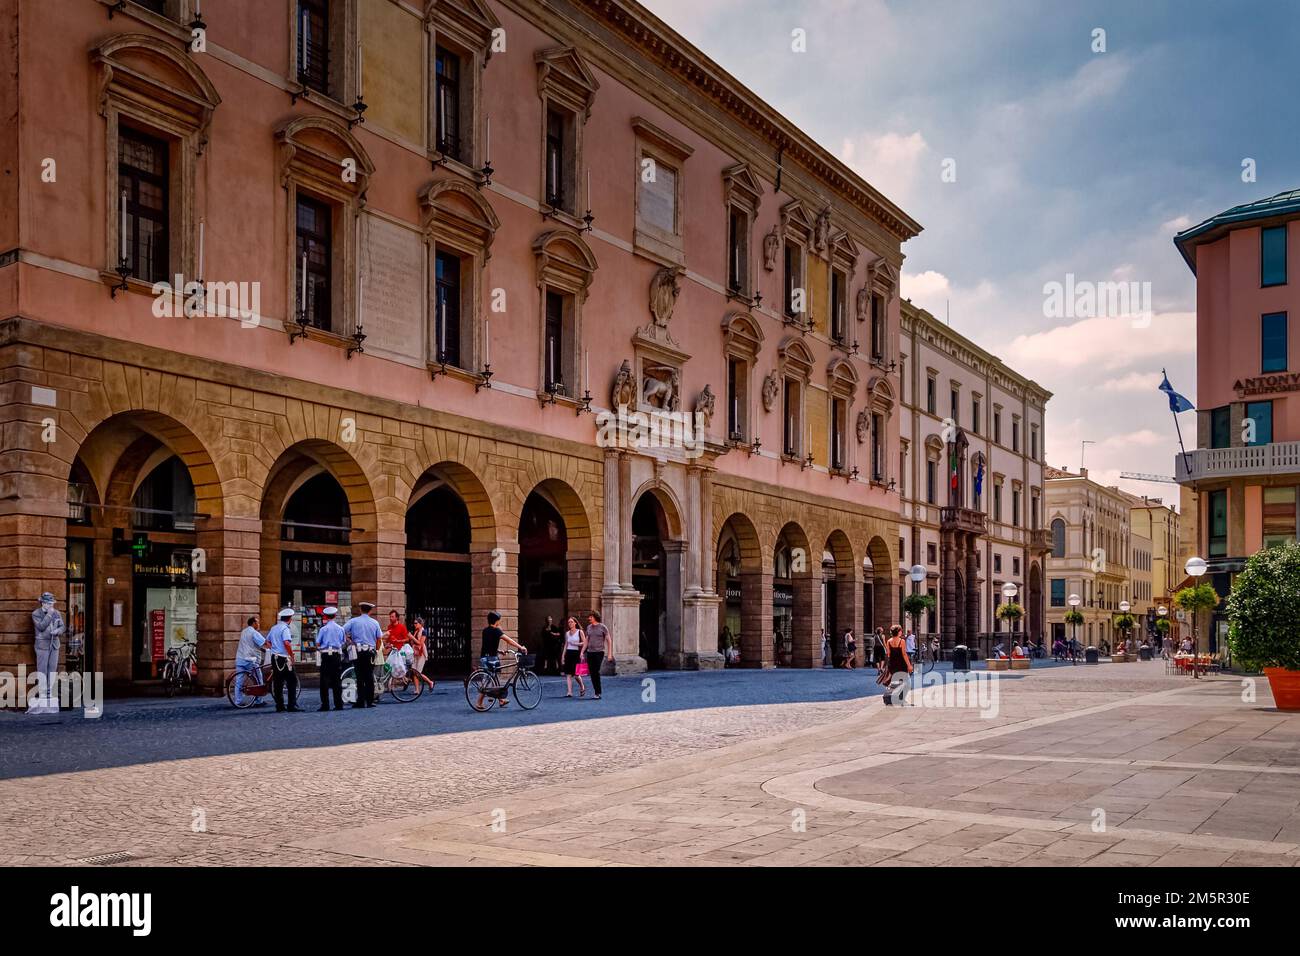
x=1195 y=568
x=1124 y=609
x=1163 y=612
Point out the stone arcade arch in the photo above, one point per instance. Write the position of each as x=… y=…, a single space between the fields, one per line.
x=450 y=537
x=154 y=530
x=746 y=589
x=320 y=540
x=555 y=560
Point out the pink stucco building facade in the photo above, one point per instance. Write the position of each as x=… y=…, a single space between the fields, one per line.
x=1245 y=469
x=384 y=202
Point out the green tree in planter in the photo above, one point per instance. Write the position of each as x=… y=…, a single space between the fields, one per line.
x=1193 y=600
x=1162 y=626
x=1074 y=616
x=916 y=605
x=1125 y=623
x=1263 y=630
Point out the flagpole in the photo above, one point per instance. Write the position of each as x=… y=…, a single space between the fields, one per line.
x=1179 y=431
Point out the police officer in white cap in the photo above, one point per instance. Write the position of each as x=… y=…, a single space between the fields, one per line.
x=363 y=632
x=281 y=640
x=329 y=641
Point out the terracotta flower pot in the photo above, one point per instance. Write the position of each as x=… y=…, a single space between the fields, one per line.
x=1285 y=685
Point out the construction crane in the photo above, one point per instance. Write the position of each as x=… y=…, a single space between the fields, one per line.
x=1140 y=476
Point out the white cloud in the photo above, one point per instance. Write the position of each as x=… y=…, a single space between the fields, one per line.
x=923 y=287
x=1104 y=343
x=889 y=161
x=1132 y=382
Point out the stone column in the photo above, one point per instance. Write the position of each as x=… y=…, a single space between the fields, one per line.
x=677 y=639
x=620 y=602
x=948 y=588
x=807 y=624
x=227 y=578
x=625 y=521
x=756 y=648
x=848 y=607
x=972 y=596
x=494 y=586
x=611 y=522
x=692 y=531
x=379 y=570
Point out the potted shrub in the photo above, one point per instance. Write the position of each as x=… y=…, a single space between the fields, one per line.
x=1125 y=622
x=1262 y=629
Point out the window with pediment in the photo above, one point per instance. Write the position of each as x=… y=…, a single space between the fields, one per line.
x=459 y=225
x=157 y=105
x=324 y=171
x=567 y=89
x=742 y=341
x=741 y=194
x=565 y=269
x=461 y=38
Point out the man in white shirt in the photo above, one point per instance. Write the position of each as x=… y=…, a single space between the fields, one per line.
x=911 y=643
x=248 y=658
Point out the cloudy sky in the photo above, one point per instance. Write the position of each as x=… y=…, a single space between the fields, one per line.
x=1067 y=161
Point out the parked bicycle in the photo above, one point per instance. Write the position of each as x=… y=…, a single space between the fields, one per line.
x=180 y=672
x=484 y=688
x=256 y=686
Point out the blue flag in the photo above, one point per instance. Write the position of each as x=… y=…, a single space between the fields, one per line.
x=979 y=478
x=1177 y=403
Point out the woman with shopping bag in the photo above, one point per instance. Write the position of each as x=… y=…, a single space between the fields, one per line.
x=573 y=639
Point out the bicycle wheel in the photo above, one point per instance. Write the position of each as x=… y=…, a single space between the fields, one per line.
x=927 y=663
x=480 y=685
x=169 y=679
x=248 y=699
x=528 y=690
x=406 y=688
x=349 y=684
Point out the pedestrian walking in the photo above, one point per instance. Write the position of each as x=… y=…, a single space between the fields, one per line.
x=248 y=659
x=900 y=666
x=329 y=644
x=850 y=649
x=878 y=653
x=594 y=647
x=420 y=647
x=282 y=675
x=363 y=633
x=573 y=638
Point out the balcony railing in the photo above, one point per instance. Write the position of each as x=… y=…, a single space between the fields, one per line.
x=1275 y=458
x=963 y=519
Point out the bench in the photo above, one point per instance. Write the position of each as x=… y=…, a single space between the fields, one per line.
x=998 y=664
x=1020 y=663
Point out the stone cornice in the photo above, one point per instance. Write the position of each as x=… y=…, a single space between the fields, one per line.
x=680 y=68
x=961 y=349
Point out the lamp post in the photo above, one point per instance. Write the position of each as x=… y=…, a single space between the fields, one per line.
x=1074 y=603
x=1124 y=609
x=917 y=575
x=1195 y=568
x=1162 y=612
x=1009 y=592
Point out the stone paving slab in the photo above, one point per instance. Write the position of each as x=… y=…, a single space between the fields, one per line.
x=1186 y=772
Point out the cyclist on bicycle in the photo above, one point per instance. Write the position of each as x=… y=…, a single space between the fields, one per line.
x=489 y=659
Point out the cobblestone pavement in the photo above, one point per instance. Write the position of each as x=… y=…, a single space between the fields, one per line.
x=1117 y=764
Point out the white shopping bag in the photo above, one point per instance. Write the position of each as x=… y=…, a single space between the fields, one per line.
x=397 y=661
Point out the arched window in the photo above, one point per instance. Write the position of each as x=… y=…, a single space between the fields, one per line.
x=1058 y=538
